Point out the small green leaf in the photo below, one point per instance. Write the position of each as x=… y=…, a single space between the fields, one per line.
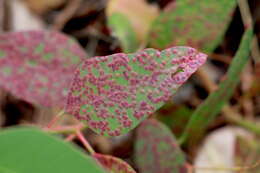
x=211 y=107
x=130 y=22
x=113 y=164
x=199 y=24
x=123 y=29
x=156 y=149
x=113 y=94
x=27 y=150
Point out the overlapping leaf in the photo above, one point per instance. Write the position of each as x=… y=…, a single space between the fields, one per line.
x=130 y=21
x=26 y=150
x=123 y=30
x=113 y=94
x=37 y=66
x=174 y=117
x=113 y=164
x=200 y=24
x=156 y=150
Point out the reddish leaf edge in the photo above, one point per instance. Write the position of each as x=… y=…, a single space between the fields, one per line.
x=107 y=161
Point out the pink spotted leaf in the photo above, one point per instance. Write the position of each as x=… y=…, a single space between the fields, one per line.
x=113 y=164
x=157 y=151
x=37 y=66
x=113 y=94
x=197 y=23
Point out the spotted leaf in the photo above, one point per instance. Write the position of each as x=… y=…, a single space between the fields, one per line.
x=113 y=94
x=113 y=164
x=156 y=149
x=37 y=66
x=200 y=24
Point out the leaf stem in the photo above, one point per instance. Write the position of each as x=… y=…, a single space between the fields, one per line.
x=233 y=117
x=55 y=119
x=227 y=111
x=85 y=142
x=66 y=129
x=248 y=21
x=245 y=13
x=70 y=137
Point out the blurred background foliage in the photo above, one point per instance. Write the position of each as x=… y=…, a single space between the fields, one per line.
x=105 y=27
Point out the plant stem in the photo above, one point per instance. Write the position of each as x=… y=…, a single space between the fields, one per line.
x=85 y=142
x=233 y=117
x=55 y=119
x=214 y=103
x=66 y=129
x=70 y=137
x=255 y=50
x=245 y=13
x=248 y=21
x=227 y=111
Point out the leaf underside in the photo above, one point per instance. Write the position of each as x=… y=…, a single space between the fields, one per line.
x=156 y=149
x=37 y=66
x=113 y=94
x=113 y=164
x=199 y=24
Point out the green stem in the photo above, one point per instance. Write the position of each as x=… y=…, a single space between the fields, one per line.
x=213 y=105
x=248 y=21
x=245 y=13
x=232 y=117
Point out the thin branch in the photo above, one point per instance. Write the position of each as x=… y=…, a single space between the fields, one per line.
x=65 y=129
x=85 y=142
x=235 y=118
x=248 y=21
x=245 y=13
x=70 y=137
x=66 y=14
x=55 y=119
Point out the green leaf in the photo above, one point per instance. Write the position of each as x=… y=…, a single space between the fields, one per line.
x=175 y=117
x=4 y=170
x=212 y=106
x=130 y=21
x=27 y=150
x=156 y=149
x=200 y=24
x=123 y=29
x=113 y=94
x=113 y=164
